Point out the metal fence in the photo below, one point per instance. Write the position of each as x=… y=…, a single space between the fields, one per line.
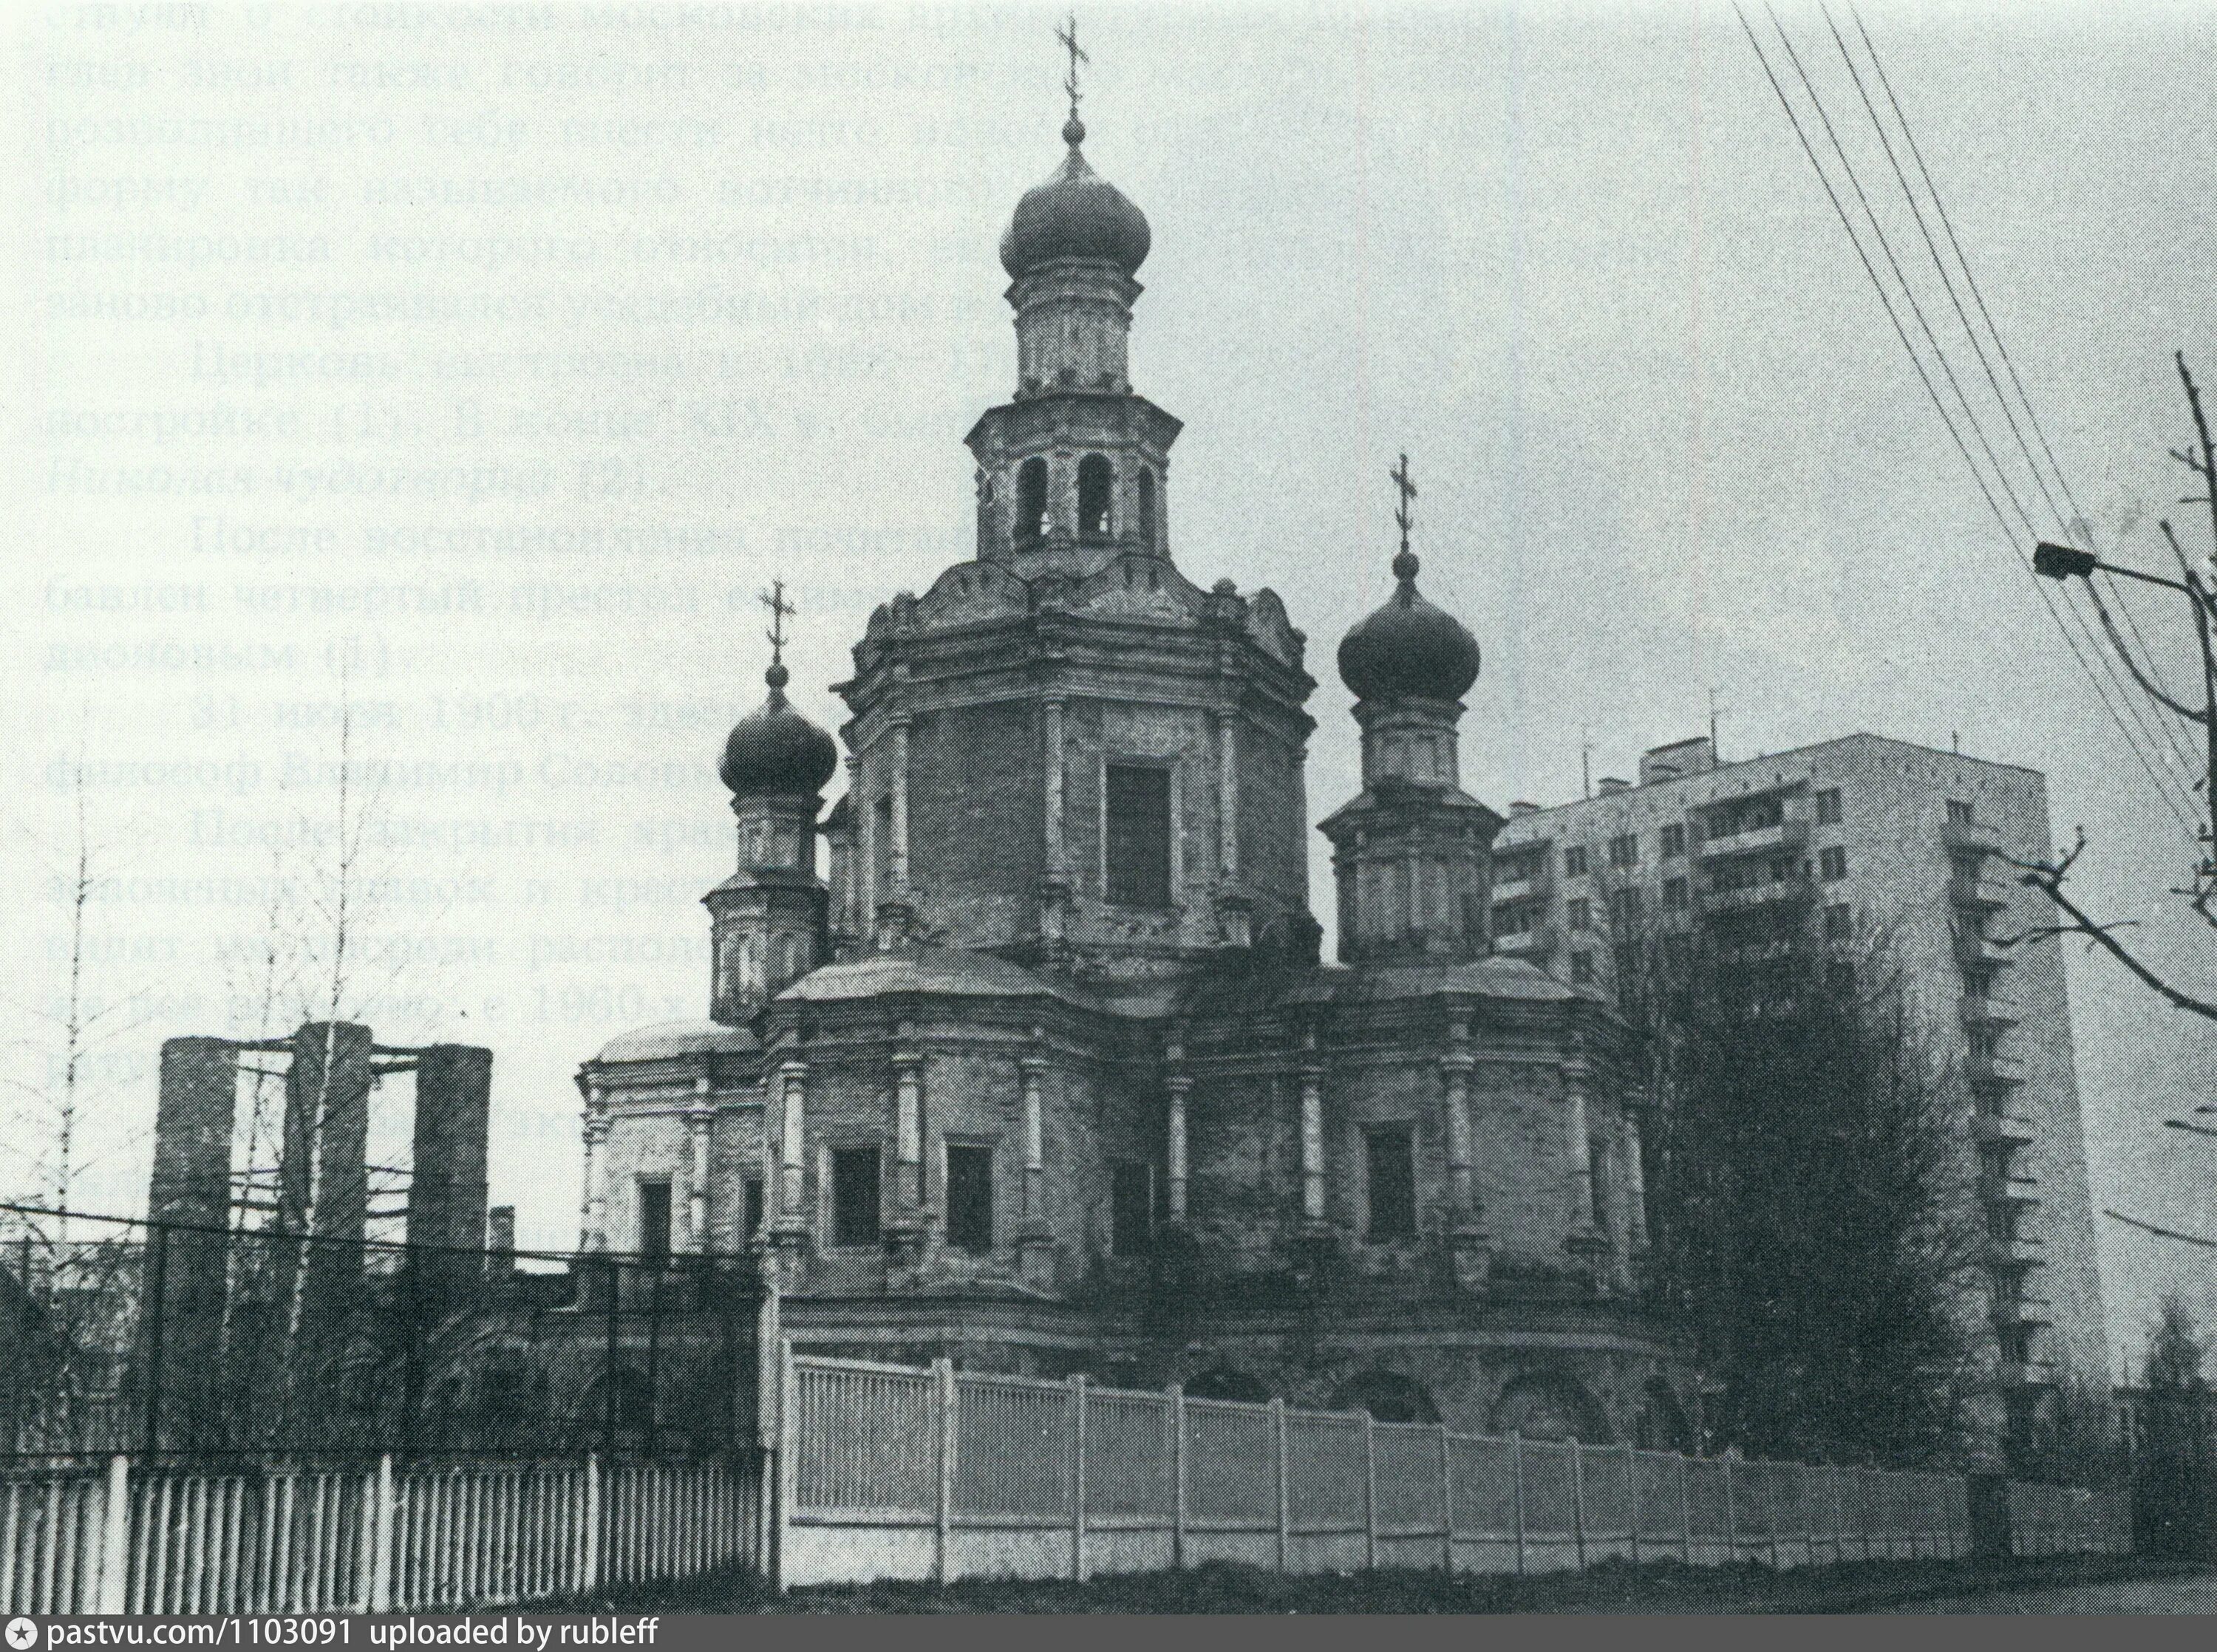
x=892 y=1471
x=134 y=1537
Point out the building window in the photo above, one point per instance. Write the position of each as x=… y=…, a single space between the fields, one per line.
x=1138 y=837
x=855 y=1196
x=1574 y=861
x=1839 y=977
x=654 y=1221
x=1581 y=911
x=1828 y=806
x=1985 y=1041
x=1674 y=894
x=1512 y=920
x=1391 y=1157
x=1031 y=500
x=1582 y=969
x=1131 y=1207
x=1959 y=811
x=1147 y=509
x=1624 y=849
x=1626 y=959
x=970 y=1197
x=1097 y=481
x=1832 y=864
x=1839 y=922
x=1674 y=840
x=1598 y=1180
x=881 y=846
x=1623 y=907
x=753 y=1207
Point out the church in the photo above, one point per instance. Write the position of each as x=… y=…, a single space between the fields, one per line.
x=1022 y=1053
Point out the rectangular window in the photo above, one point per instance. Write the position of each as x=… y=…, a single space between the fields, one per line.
x=1626 y=959
x=1598 y=1180
x=1582 y=969
x=1574 y=861
x=1624 y=849
x=1139 y=845
x=1959 y=811
x=1839 y=922
x=1512 y=920
x=881 y=846
x=1581 y=911
x=754 y=1206
x=1832 y=864
x=1391 y=1160
x=1131 y=1207
x=654 y=1221
x=855 y=1196
x=1828 y=806
x=1674 y=840
x=1624 y=907
x=970 y=1197
x=1674 y=894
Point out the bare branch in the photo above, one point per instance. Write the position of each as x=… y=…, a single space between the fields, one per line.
x=2161 y=1232
x=2049 y=877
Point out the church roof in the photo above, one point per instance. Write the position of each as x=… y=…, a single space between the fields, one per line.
x=937 y=970
x=1076 y=214
x=1504 y=979
x=667 y=1039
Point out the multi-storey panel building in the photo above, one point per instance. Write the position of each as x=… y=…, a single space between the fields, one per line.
x=1861 y=839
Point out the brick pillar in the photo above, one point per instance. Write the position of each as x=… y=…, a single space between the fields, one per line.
x=324 y=1181
x=447 y=1197
x=191 y=1187
x=1312 y=1082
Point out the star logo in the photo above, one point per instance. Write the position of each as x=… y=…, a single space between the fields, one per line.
x=23 y=1634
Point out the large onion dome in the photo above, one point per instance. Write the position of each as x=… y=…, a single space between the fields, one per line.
x=1077 y=213
x=776 y=750
x=1408 y=649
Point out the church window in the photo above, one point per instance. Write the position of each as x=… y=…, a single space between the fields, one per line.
x=855 y=1196
x=1097 y=481
x=881 y=846
x=1147 y=509
x=1031 y=500
x=654 y=1221
x=1139 y=834
x=970 y=1197
x=1131 y=1207
x=1598 y=1180
x=753 y=1215
x=1391 y=1159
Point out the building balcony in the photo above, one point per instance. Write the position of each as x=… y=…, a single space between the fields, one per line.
x=2026 y=1311
x=1993 y=1069
x=1530 y=887
x=1985 y=1009
x=1784 y=893
x=1980 y=894
x=1979 y=950
x=2001 y=1127
x=2023 y=1373
x=1786 y=835
x=2011 y=1252
x=1976 y=835
x=2007 y=1190
x=1536 y=942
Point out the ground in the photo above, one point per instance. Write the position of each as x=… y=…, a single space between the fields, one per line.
x=2061 y=1585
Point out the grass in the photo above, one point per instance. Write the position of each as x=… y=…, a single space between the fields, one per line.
x=1663 y=1586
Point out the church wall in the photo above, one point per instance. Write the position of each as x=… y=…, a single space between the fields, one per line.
x=1523 y=1171
x=1400 y=1089
x=735 y=1157
x=1242 y=1136
x=1273 y=819
x=976 y=830
x=643 y=1144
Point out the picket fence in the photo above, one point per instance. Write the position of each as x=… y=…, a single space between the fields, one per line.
x=892 y=1471
x=125 y=1536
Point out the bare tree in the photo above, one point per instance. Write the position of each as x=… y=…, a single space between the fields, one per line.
x=2175 y=1456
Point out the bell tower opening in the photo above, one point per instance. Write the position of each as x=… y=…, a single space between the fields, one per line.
x=1096 y=480
x=1148 y=509
x=1031 y=500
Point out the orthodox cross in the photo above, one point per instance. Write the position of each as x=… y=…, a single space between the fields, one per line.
x=1406 y=487
x=1066 y=32
x=780 y=612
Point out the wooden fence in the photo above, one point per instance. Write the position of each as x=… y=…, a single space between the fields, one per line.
x=124 y=1536
x=891 y=1471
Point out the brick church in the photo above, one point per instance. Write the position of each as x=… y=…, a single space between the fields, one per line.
x=1023 y=1053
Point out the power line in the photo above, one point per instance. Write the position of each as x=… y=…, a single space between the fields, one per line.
x=2078 y=517
x=1931 y=391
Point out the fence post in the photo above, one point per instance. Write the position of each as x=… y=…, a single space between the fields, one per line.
x=1579 y=1501
x=1078 y=1477
x=591 y=1580
x=1177 y=1476
x=114 y=1541
x=1631 y=1494
x=1446 y=1503
x=1369 y=1493
x=942 y=1381
x=1731 y=1517
x=1285 y=1511
x=380 y=1526
x=1685 y=1511
x=1769 y=1478
x=1516 y=1476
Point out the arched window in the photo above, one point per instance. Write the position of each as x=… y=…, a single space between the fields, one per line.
x=1097 y=481
x=1388 y=1397
x=1031 y=500
x=1147 y=509
x=1222 y=1382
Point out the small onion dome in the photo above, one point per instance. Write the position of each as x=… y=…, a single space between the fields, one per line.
x=1409 y=648
x=777 y=750
x=1077 y=213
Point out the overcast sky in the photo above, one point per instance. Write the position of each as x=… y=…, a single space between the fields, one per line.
x=505 y=353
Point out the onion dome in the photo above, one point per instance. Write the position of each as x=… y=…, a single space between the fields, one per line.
x=777 y=751
x=1409 y=648
x=1077 y=213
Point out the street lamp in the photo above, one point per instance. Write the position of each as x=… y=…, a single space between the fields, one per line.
x=2062 y=562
